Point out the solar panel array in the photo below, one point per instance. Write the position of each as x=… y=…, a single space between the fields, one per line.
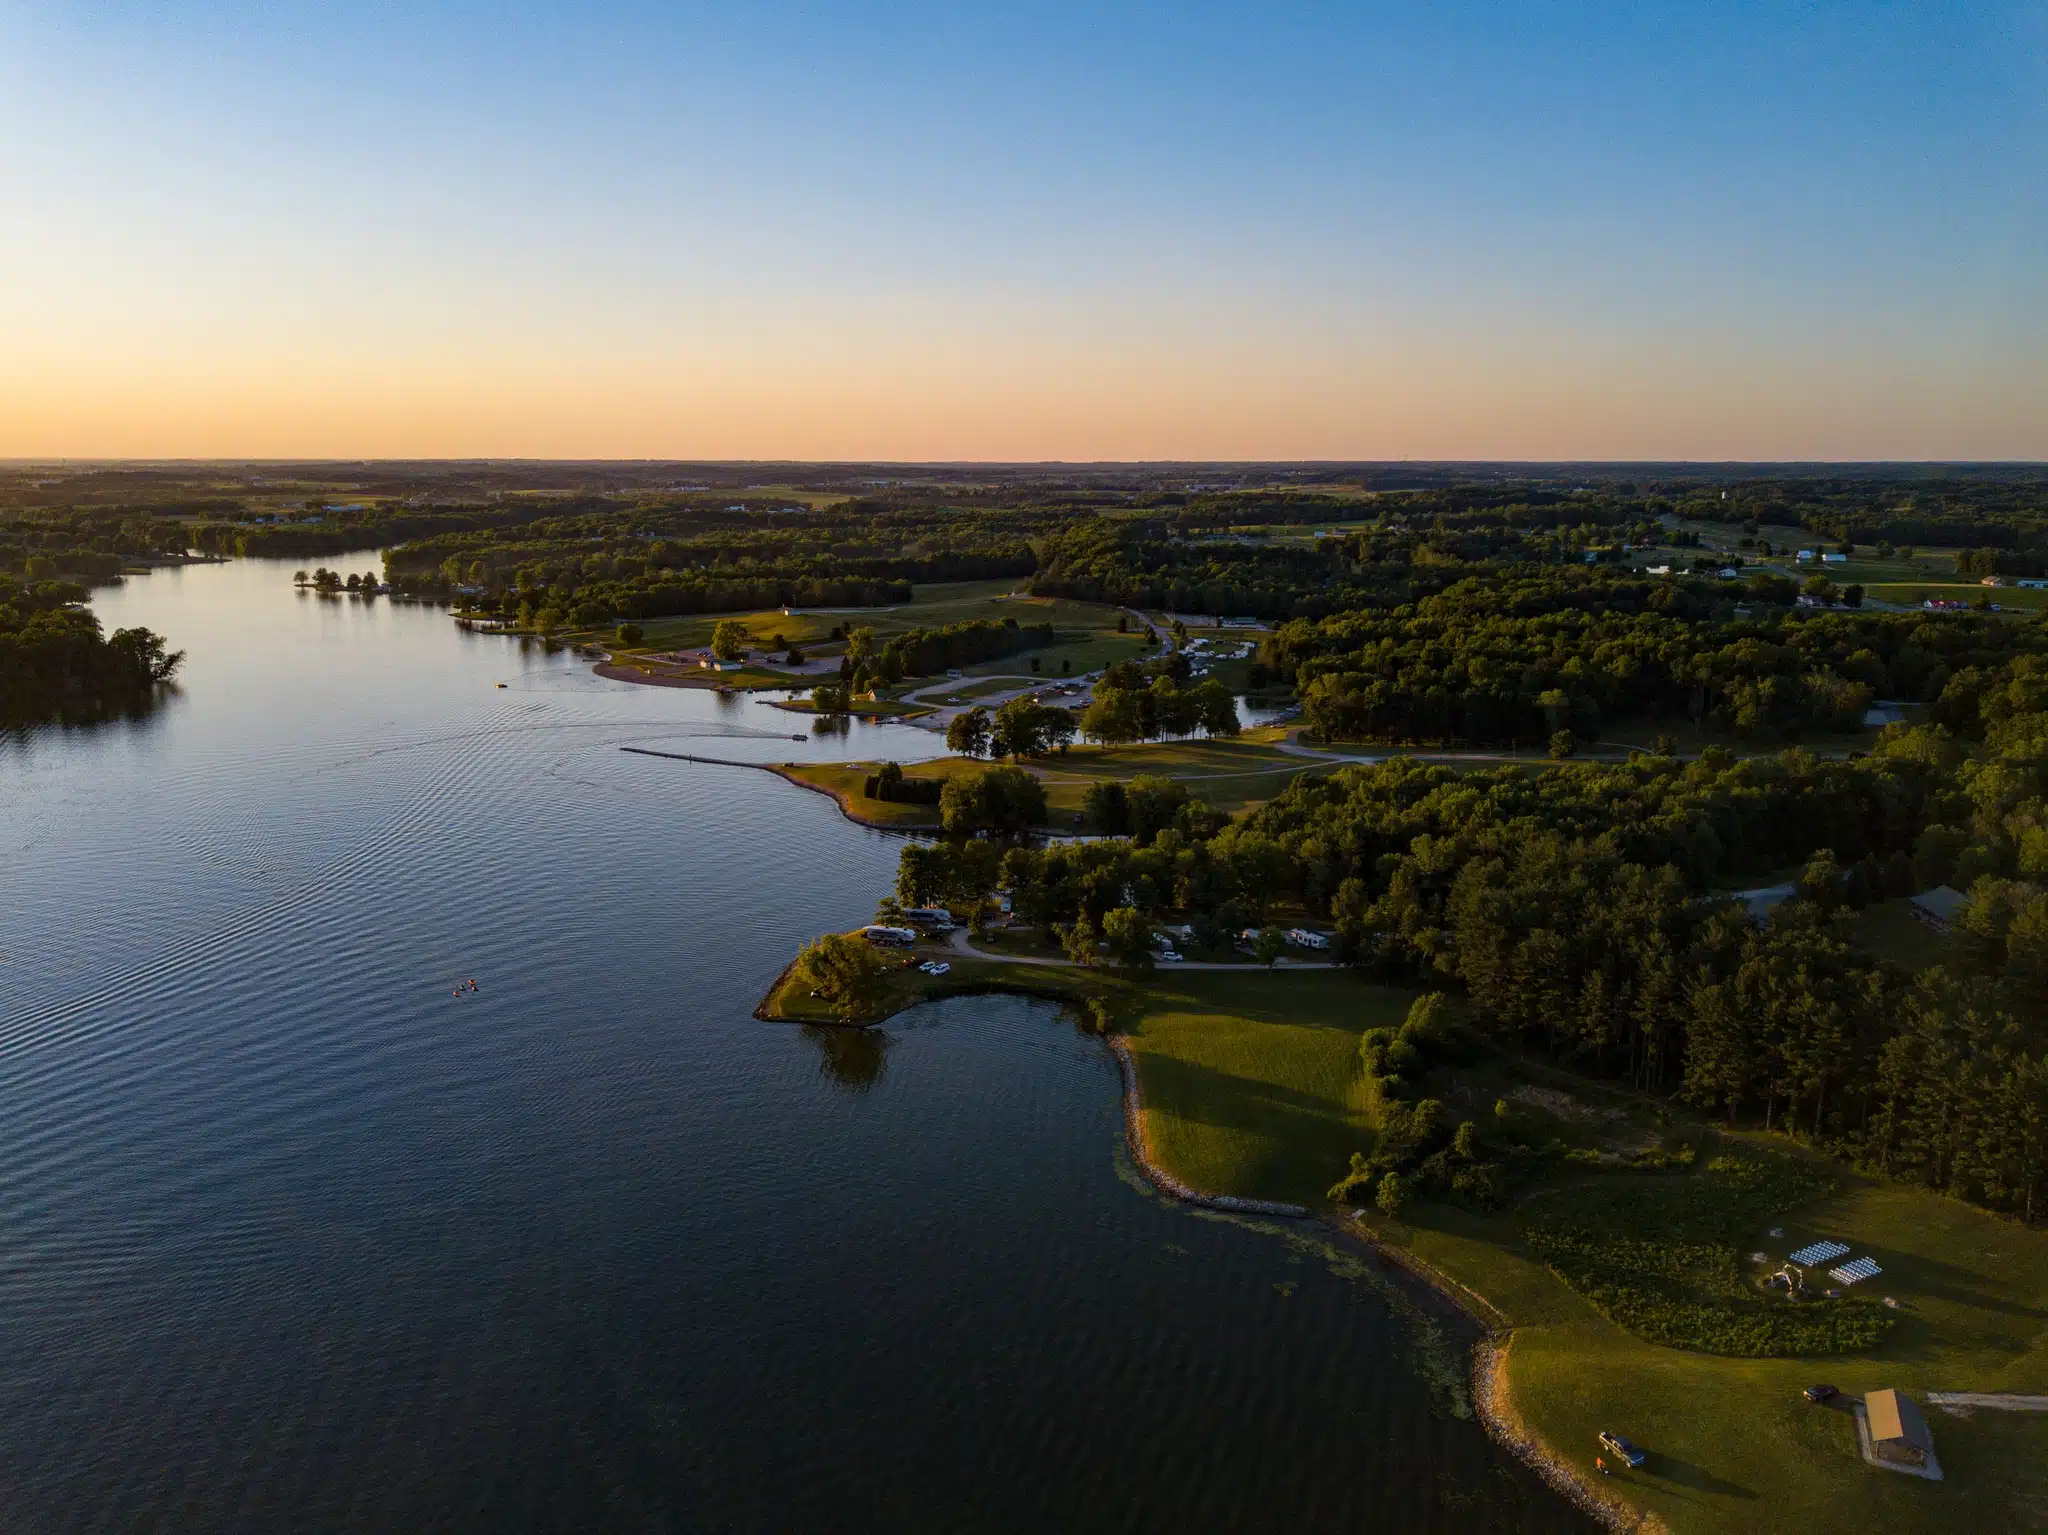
x=1820 y=1252
x=1855 y=1273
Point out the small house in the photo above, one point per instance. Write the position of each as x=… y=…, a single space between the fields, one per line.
x=1897 y=1431
x=2032 y=583
x=1303 y=938
x=1804 y=556
x=1657 y=570
x=1834 y=559
x=1939 y=907
x=1882 y=714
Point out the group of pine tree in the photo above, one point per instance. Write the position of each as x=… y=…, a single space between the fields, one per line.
x=1586 y=911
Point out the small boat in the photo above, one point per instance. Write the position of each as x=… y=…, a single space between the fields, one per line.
x=501 y=684
x=799 y=738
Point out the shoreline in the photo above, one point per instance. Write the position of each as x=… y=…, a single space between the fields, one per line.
x=709 y=682
x=782 y=770
x=1491 y=1399
x=1491 y=1392
x=839 y=797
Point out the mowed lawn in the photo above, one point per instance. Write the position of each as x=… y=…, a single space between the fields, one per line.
x=1250 y=1084
x=1732 y=1445
x=1085 y=632
x=1227 y=774
x=1251 y=1079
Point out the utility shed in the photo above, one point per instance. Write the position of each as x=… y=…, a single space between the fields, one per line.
x=1897 y=1431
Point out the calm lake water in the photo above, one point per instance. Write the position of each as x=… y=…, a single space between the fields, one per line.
x=293 y=1239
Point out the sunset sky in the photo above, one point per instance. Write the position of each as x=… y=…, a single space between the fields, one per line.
x=1031 y=231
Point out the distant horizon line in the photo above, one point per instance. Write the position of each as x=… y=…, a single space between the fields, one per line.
x=55 y=460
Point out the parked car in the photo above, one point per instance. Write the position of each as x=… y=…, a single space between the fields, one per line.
x=1615 y=1444
x=1821 y=1393
x=935 y=967
x=1171 y=956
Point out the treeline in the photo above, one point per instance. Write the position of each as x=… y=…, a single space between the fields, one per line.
x=2001 y=507
x=55 y=664
x=86 y=546
x=1415 y=547
x=922 y=652
x=587 y=607
x=1134 y=564
x=621 y=550
x=317 y=531
x=1575 y=910
x=1516 y=660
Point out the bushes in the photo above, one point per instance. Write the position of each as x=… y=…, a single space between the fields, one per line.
x=892 y=785
x=1662 y=1258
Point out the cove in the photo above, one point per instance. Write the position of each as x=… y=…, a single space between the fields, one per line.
x=295 y=1238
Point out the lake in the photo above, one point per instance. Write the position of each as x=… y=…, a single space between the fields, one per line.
x=296 y=1239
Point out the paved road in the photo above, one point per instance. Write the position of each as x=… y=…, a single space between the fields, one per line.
x=961 y=945
x=2001 y=1401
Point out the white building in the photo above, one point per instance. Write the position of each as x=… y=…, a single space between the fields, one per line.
x=1302 y=938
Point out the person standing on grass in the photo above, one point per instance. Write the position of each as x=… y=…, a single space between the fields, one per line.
x=1600 y=1464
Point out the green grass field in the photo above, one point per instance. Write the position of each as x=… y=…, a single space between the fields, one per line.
x=860 y=708
x=1250 y=1086
x=746 y=678
x=974 y=692
x=1251 y=1080
x=1227 y=774
x=2010 y=599
x=1085 y=632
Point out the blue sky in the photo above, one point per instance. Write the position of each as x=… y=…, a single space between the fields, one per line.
x=1034 y=231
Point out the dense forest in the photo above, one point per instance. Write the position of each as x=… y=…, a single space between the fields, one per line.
x=1516 y=658
x=1576 y=911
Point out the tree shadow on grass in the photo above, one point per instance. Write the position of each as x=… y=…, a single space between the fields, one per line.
x=1205 y=1095
x=1930 y=1278
x=1683 y=1473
